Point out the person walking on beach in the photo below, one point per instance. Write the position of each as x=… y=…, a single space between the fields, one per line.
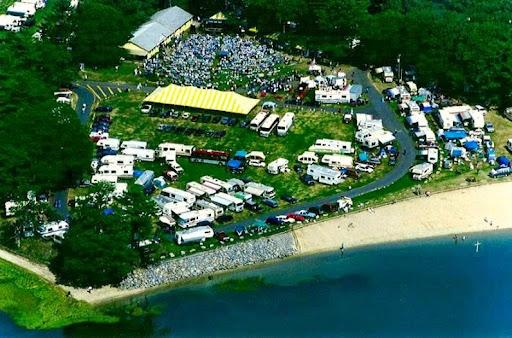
x=342 y=249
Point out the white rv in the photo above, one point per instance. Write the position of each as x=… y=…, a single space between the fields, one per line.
x=180 y=149
x=211 y=186
x=268 y=126
x=103 y=178
x=256 y=158
x=324 y=175
x=308 y=157
x=22 y=9
x=116 y=170
x=140 y=154
x=203 y=204
x=422 y=171
x=225 y=186
x=37 y=3
x=278 y=166
x=285 y=124
x=179 y=195
x=432 y=155
x=332 y=146
x=197 y=234
x=134 y=144
x=192 y=218
x=224 y=203
x=169 y=156
x=175 y=208
x=338 y=161
x=10 y=22
x=53 y=229
x=200 y=187
x=260 y=190
x=120 y=160
x=411 y=87
x=237 y=205
x=257 y=121
x=112 y=143
x=196 y=192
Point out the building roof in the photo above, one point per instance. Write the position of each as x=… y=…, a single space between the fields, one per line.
x=207 y=99
x=162 y=24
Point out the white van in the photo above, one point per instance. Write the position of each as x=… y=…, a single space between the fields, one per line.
x=257 y=121
x=422 y=171
x=278 y=166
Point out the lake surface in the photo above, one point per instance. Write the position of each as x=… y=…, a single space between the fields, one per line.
x=433 y=288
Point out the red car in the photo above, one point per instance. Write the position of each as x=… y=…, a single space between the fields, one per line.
x=298 y=218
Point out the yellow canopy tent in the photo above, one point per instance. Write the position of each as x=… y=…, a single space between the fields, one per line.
x=206 y=99
x=218 y=16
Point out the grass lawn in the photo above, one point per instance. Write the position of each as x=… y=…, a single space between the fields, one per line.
x=4 y=4
x=123 y=74
x=35 y=304
x=503 y=131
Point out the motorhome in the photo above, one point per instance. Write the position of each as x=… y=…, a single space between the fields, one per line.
x=206 y=190
x=179 y=195
x=203 y=204
x=257 y=121
x=422 y=171
x=338 y=161
x=116 y=170
x=269 y=125
x=225 y=186
x=196 y=192
x=146 y=178
x=21 y=9
x=10 y=22
x=120 y=160
x=308 y=157
x=103 y=178
x=180 y=149
x=278 y=166
x=192 y=218
x=175 y=208
x=285 y=124
x=210 y=156
x=324 y=175
x=112 y=143
x=134 y=144
x=260 y=190
x=212 y=186
x=411 y=87
x=237 y=205
x=387 y=74
x=52 y=229
x=37 y=3
x=161 y=201
x=197 y=234
x=332 y=146
x=169 y=157
x=238 y=185
x=147 y=155
x=432 y=155
x=224 y=203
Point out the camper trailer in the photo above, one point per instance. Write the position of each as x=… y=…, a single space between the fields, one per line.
x=180 y=149
x=224 y=186
x=179 y=195
x=169 y=157
x=53 y=229
x=257 y=121
x=256 y=158
x=324 y=175
x=10 y=22
x=116 y=170
x=203 y=204
x=411 y=87
x=278 y=166
x=197 y=186
x=269 y=125
x=161 y=201
x=112 y=143
x=332 y=146
x=22 y=9
x=192 y=218
x=432 y=155
x=175 y=208
x=236 y=204
x=308 y=157
x=285 y=124
x=120 y=160
x=197 y=234
x=103 y=178
x=338 y=161
x=387 y=74
x=422 y=171
x=147 y=155
x=134 y=144
x=196 y=192
x=146 y=179
x=260 y=190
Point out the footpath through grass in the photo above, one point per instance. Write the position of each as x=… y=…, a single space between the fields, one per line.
x=36 y=304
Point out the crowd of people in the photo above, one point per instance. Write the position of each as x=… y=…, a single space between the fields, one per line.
x=221 y=62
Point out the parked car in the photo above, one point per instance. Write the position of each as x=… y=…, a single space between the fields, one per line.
x=299 y=169
x=145 y=109
x=489 y=127
x=171 y=175
x=306 y=214
x=175 y=114
x=232 y=121
x=244 y=124
x=364 y=168
x=329 y=207
x=274 y=221
x=298 y=218
x=286 y=219
x=315 y=210
x=103 y=109
x=270 y=202
x=289 y=199
x=224 y=120
x=308 y=179
x=185 y=115
x=206 y=118
x=224 y=218
x=253 y=206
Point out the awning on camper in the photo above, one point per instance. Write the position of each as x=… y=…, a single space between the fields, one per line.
x=241 y=154
x=363 y=156
x=207 y=99
x=234 y=164
x=454 y=134
x=471 y=145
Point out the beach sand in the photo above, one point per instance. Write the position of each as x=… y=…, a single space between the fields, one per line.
x=476 y=209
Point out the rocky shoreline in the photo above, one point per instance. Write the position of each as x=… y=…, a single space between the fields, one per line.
x=204 y=263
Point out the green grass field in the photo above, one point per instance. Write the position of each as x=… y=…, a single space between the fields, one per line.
x=35 y=304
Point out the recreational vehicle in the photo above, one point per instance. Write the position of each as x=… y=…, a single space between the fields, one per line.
x=147 y=155
x=197 y=186
x=260 y=190
x=257 y=121
x=196 y=192
x=278 y=166
x=112 y=143
x=324 y=175
x=432 y=155
x=255 y=158
x=192 y=218
x=285 y=124
x=179 y=195
x=308 y=157
x=52 y=229
x=225 y=186
x=203 y=204
x=161 y=201
x=10 y=22
x=210 y=156
x=120 y=160
x=116 y=170
x=332 y=146
x=344 y=204
x=237 y=205
x=21 y=9
x=146 y=178
x=134 y=144
x=198 y=234
x=175 y=208
x=169 y=157
x=103 y=178
x=338 y=161
x=180 y=149
x=422 y=171
x=268 y=126
x=224 y=203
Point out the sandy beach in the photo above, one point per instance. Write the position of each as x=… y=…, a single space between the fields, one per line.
x=482 y=208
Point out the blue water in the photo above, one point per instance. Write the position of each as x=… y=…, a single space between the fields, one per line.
x=432 y=288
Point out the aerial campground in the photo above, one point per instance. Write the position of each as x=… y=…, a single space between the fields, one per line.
x=255 y=168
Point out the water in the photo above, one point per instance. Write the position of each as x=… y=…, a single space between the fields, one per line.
x=418 y=289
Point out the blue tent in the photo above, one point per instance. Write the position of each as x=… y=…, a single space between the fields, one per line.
x=223 y=53
x=456 y=152
x=240 y=154
x=363 y=156
x=503 y=161
x=240 y=230
x=234 y=164
x=454 y=134
x=108 y=212
x=471 y=145
x=137 y=173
